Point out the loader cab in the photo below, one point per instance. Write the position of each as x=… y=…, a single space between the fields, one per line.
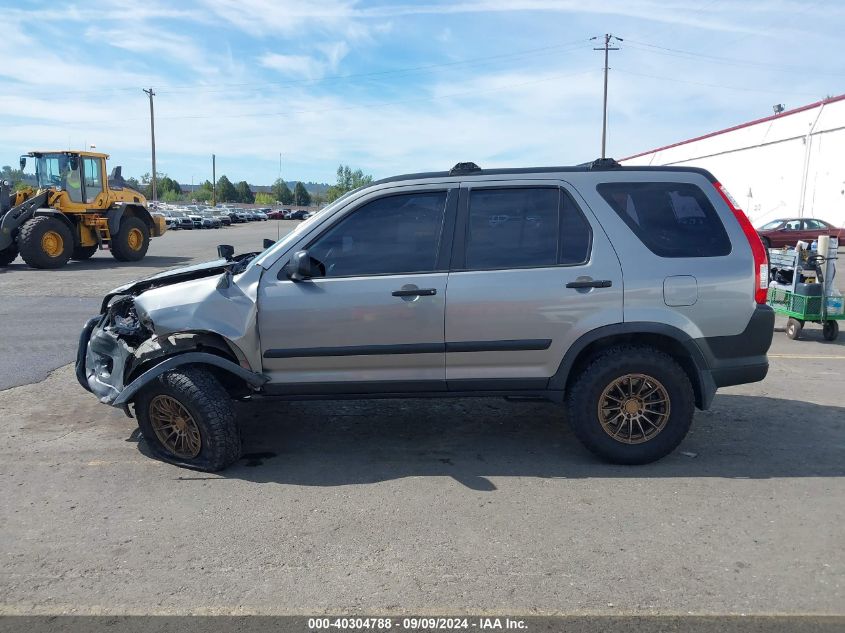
x=81 y=175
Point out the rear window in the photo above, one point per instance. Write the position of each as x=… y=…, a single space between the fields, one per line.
x=672 y=219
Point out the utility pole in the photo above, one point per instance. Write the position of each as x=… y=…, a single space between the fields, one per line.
x=151 y=94
x=606 y=48
x=213 y=180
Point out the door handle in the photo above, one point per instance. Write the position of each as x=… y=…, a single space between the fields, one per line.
x=591 y=283
x=415 y=292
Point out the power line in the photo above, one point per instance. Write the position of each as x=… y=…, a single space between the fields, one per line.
x=262 y=85
x=709 y=85
x=683 y=54
x=344 y=108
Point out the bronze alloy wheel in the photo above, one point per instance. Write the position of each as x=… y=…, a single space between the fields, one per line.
x=175 y=427
x=634 y=408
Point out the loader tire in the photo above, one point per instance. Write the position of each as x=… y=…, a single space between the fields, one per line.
x=45 y=242
x=8 y=255
x=82 y=253
x=132 y=240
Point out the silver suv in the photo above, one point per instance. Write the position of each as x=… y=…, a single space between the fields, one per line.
x=627 y=293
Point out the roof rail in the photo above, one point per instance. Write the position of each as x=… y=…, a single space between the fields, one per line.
x=464 y=168
x=601 y=163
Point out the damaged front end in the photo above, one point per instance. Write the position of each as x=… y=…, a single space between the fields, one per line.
x=181 y=317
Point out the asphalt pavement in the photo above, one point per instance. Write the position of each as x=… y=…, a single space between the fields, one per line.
x=427 y=506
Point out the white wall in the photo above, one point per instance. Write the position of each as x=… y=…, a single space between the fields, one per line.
x=763 y=165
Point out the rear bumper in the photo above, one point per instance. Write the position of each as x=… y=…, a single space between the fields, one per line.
x=740 y=359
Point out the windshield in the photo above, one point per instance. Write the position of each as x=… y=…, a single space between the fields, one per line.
x=771 y=225
x=50 y=169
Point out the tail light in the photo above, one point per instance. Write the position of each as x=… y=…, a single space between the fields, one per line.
x=761 y=259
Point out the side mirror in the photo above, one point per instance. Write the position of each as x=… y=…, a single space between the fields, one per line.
x=23 y=162
x=226 y=251
x=300 y=266
x=268 y=243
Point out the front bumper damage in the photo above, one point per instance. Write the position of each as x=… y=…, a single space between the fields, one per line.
x=117 y=355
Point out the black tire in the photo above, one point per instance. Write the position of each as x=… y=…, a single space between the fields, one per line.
x=34 y=235
x=81 y=253
x=830 y=330
x=210 y=407
x=793 y=328
x=617 y=364
x=8 y=255
x=127 y=246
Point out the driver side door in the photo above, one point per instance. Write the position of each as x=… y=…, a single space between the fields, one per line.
x=371 y=317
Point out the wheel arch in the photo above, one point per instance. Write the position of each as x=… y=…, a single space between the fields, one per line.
x=666 y=338
x=230 y=373
x=115 y=215
x=63 y=218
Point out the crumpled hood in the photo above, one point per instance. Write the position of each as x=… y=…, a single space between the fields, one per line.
x=167 y=278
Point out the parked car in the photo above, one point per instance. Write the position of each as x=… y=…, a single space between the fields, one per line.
x=297 y=215
x=210 y=222
x=224 y=218
x=562 y=307
x=184 y=221
x=172 y=222
x=260 y=215
x=788 y=231
x=196 y=219
x=276 y=214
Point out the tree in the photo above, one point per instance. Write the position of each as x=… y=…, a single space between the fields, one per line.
x=282 y=192
x=301 y=197
x=164 y=185
x=264 y=198
x=347 y=180
x=133 y=183
x=245 y=193
x=204 y=193
x=226 y=191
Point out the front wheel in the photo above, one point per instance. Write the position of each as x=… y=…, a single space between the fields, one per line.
x=631 y=405
x=187 y=419
x=830 y=330
x=793 y=328
x=45 y=242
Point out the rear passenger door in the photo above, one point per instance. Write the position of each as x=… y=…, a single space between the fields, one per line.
x=531 y=272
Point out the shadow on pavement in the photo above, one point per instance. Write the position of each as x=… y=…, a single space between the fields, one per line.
x=106 y=263
x=470 y=440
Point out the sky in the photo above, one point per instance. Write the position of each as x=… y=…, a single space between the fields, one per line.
x=398 y=87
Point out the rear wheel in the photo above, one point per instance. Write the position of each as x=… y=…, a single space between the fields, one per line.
x=187 y=419
x=793 y=328
x=830 y=330
x=631 y=405
x=83 y=252
x=8 y=255
x=45 y=242
x=132 y=240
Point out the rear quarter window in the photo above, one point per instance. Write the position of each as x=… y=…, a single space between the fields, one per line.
x=672 y=219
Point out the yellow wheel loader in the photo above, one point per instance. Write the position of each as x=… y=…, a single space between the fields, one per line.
x=74 y=211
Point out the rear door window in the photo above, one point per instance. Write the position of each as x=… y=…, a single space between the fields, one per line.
x=524 y=227
x=672 y=219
